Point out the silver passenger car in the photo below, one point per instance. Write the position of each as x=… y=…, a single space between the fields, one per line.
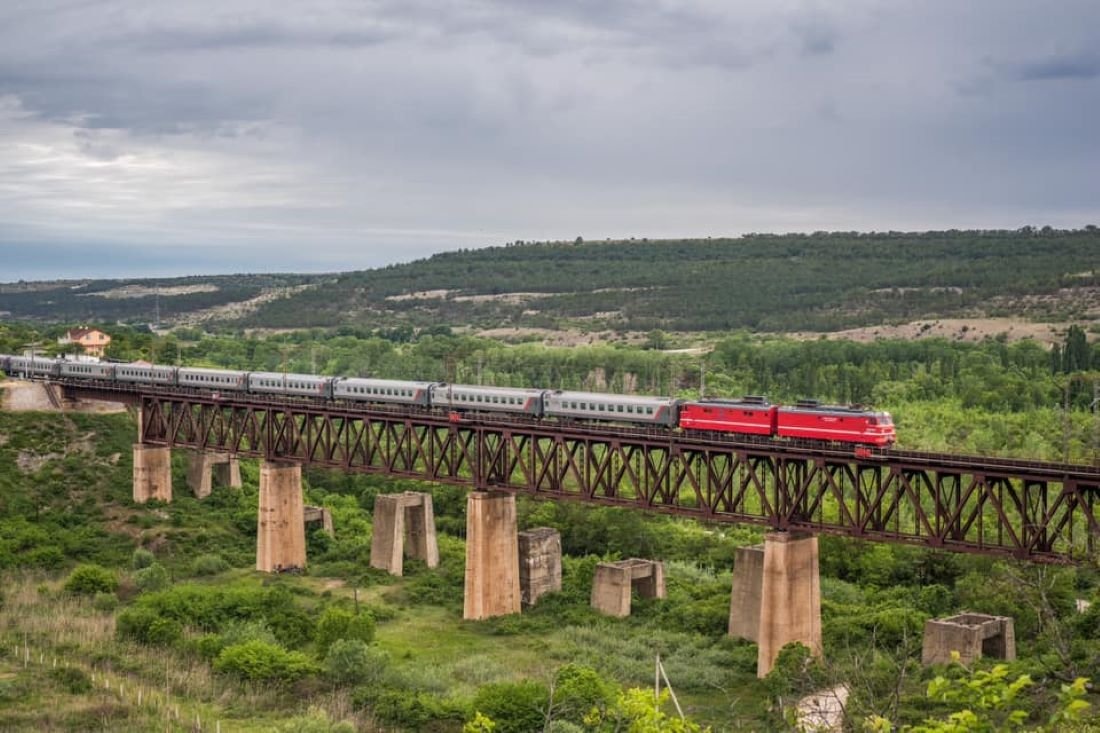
x=612 y=407
x=145 y=373
x=392 y=391
x=306 y=385
x=87 y=369
x=36 y=366
x=213 y=379
x=464 y=397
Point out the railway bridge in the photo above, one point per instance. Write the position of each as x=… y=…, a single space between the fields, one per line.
x=1029 y=510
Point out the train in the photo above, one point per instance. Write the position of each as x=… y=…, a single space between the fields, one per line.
x=748 y=416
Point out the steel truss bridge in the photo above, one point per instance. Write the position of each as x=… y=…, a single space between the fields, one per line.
x=1035 y=511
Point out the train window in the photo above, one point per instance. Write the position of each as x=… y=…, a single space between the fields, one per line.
x=649 y=410
x=620 y=408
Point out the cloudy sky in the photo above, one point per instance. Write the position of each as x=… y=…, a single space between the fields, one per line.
x=147 y=137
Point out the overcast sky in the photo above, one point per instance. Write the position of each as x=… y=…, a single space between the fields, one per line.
x=156 y=138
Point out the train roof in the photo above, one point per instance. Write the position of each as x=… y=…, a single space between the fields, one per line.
x=202 y=370
x=746 y=401
x=373 y=382
x=813 y=406
x=613 y=398
x=477 y=389
x=282 y=375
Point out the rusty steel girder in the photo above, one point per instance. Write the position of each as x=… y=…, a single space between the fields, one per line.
x=1041 y=512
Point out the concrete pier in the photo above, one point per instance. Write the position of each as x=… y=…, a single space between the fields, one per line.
x=205 y=468
x=777 y=591
x=492 y=556
x=152 y=473
x=748 y=584
x=281 y=533
x=972 y=635
x=539 y=563
x=614 y=582
x=403 y=524
x=319 y=515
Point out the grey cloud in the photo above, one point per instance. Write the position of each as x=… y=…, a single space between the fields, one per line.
x=376 y=131
x=1055 y=68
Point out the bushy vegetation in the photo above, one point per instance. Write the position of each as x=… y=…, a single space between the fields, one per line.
x=89 y=579
x=395 y=651
x=260 y=661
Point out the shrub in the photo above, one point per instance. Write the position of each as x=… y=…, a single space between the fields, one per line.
x=142 y=558
x=48 y=557
x=152 y=578
x=89 y=579
x=146 y=626
x=71 y=679
x=337 y=623
x=515 y=707
x=211 y=564
x=105 y=602
x=411 y=709
x=578 y=689
x=238 y=632
x=259 y=661
x=352 y=662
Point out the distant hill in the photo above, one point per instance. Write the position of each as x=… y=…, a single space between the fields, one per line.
x=819 y=282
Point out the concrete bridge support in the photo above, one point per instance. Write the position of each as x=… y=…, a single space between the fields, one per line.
x=205 y=468
x=152 y=473
x=319 y=515
x=281 y=532
x=776 y=596
x=614 y=582
x=972 y=635
x=403 y=524
x=492 y=556
x=539 y=563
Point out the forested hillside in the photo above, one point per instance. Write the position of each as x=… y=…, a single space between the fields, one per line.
x=795 y=282
x=759 y=282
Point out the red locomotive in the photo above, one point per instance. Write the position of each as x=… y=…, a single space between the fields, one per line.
x=805 y=420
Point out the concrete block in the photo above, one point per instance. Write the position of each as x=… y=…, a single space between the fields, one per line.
x=492 y=556
x=614 y=582
x=319 y=515
x=539 y=563
x=972 y=635
x=206 y=467
x=403 y=524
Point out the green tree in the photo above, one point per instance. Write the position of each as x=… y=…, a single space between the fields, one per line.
x=635 y=711
x=336 y=623
x=259 y=661
x=989 y=701
x=352 y=662
x=514 y=707
x=1075 y=353
x=89 y=579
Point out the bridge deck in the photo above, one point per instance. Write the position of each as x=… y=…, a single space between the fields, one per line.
x=1034 y=510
